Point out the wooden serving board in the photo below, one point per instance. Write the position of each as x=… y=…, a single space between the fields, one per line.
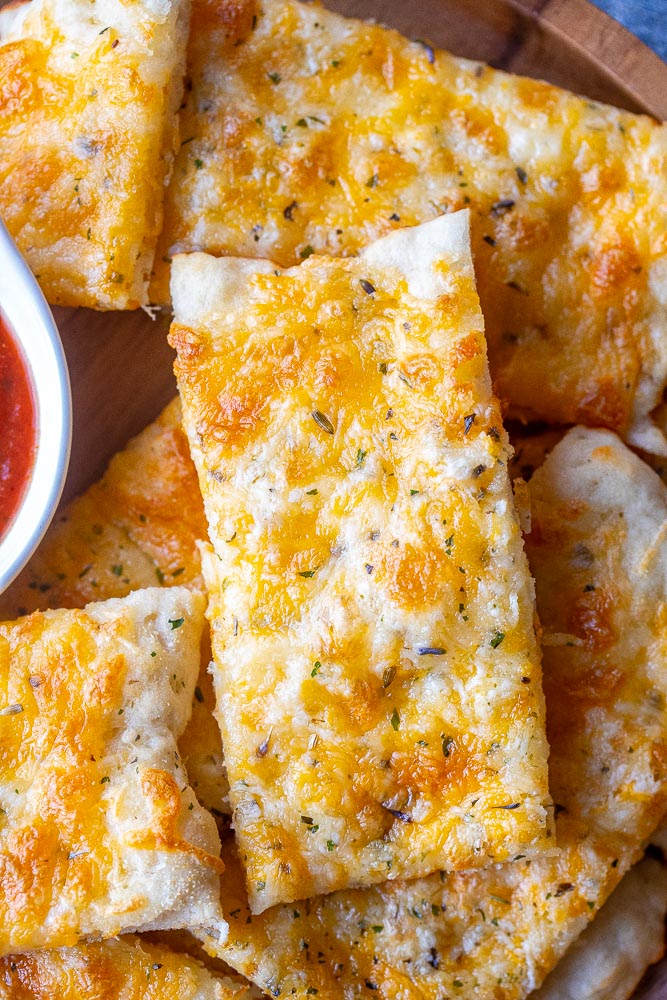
x=120 y=363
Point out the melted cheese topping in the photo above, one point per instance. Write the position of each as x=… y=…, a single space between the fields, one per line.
x=127 y=968
x=137 y=527
x=88 y=95
x=99 y=831
x=598 y=549
x=377 y=675
x=305 y=130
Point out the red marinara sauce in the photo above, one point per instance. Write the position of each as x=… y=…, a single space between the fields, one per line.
x=17 y=428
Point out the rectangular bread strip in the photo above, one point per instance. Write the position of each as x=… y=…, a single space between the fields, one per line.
x=305 y=130
x=88 y=131
x=126 y=968
x=138 y=526
x=599 y=516
x=101 y=832
x=376 y=670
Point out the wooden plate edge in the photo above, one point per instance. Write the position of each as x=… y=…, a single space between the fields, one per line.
x=632 y=65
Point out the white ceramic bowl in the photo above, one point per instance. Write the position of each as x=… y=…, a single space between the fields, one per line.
x=29 y=319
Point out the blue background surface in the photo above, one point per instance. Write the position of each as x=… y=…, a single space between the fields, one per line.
x=645 y=18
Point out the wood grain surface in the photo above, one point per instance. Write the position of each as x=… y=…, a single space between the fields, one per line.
x=120 y=363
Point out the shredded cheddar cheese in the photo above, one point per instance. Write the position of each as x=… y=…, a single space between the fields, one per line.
x=377 y=674
x=305 y=131
x=88 y=130
x=100 y=831
x=497 y=932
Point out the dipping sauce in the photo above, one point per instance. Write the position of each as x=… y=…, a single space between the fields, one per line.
x=17 y=428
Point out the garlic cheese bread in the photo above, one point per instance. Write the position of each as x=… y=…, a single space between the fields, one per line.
x=304 y=130
x=126 y=968
x=100 y=831
x=376 y=671
x=88 y=129
x=139 y=526
x=598 y=550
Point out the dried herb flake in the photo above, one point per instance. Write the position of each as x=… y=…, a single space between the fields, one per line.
x=323 y=421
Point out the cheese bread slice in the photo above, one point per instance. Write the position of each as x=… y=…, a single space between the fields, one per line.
x=100 y=831
x=598 y=550
x=376 y=670
x=137 y=527
x=307 y=131
x=126 y=968
x=88 y=101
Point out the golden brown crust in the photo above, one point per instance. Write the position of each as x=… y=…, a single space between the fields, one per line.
x=598 y=521
x=101 y=832
x=130 y=968
x=88 y=101
x=305 y=130
x=376 y=669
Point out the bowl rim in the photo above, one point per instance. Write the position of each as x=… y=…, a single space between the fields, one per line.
x=30 y=322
